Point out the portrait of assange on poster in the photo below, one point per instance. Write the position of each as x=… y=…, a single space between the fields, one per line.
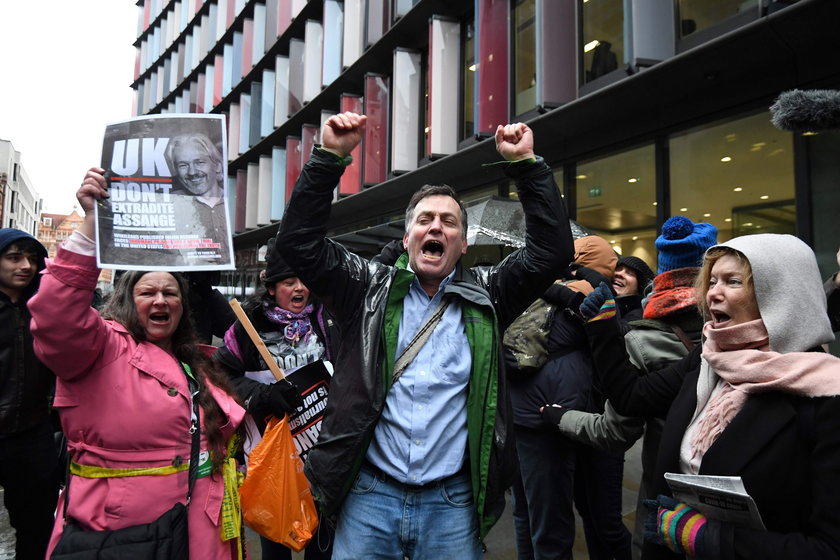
x=168 y=207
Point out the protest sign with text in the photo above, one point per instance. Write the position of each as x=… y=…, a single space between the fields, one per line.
x=168 y=207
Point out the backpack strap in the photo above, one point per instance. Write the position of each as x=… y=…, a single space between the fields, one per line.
x=687 y=342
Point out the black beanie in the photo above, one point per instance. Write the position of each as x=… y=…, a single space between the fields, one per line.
x=644 y=274
x=276 y=268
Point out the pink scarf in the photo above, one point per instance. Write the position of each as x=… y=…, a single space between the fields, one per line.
x=740 y=355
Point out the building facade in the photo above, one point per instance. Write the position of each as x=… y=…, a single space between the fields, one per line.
x=645 y=108
x=20 y=204
x=54 y=229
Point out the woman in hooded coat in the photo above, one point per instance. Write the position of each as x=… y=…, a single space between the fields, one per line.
x=757 y=400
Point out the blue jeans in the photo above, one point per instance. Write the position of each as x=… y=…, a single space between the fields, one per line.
x=382 y=518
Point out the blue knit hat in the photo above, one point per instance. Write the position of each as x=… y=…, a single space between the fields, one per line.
x=683 y=243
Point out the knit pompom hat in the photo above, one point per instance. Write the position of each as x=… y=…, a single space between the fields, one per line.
x=683 y=243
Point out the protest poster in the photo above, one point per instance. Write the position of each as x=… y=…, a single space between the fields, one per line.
x=168 y=209
x=313 y=380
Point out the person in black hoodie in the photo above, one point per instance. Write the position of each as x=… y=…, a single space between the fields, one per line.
x=28 y=456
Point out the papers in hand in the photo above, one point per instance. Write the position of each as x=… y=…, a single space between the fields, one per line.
x=723 y=498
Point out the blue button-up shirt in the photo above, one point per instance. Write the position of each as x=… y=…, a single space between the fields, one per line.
x=422 y=434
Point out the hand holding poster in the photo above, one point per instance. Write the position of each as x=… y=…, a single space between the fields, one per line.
x=718 y=497
x=167 y=207
x=313 y=381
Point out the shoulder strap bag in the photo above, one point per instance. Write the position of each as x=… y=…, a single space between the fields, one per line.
x=413 y=348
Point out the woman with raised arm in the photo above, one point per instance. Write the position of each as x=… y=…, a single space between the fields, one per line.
x=124 y=391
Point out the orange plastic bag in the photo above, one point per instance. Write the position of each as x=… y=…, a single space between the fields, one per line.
x=276 y=501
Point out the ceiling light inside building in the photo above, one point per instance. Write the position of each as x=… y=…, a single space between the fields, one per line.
x=738 y=189
x=591 y=45
x=725 y=159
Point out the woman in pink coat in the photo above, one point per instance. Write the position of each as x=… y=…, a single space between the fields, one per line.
x=123 y=396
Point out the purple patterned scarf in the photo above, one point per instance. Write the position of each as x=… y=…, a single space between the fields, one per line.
x=296 y=326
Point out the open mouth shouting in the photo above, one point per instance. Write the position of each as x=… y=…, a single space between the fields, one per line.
x=159 y=317
x=297 y=302
x=432 y=249
x=434 y=240
x=157 y=300
x=719 y=318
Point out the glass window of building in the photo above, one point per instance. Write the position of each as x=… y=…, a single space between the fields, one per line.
x=736 y=174
x=602 y=35
x=468 y=75
x=616 y=199
x=696 y=15
x=400 y=8
x=525 y=56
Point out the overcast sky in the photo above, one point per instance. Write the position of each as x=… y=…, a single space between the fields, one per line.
x=65 y=72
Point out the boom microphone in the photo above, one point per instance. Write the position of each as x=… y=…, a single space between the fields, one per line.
x=810 y=110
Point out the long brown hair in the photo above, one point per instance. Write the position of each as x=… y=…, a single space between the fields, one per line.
x=185 y=346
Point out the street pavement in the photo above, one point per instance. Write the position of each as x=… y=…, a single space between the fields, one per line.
x=501 y=544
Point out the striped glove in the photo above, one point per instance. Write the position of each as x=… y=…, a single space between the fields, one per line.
x=599 y=304
x=680 y=527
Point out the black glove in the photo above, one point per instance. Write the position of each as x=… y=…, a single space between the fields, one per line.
x=590 y=275
x=599 y=304
x=552 y=413
x=563 y=297
x=282 y=397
